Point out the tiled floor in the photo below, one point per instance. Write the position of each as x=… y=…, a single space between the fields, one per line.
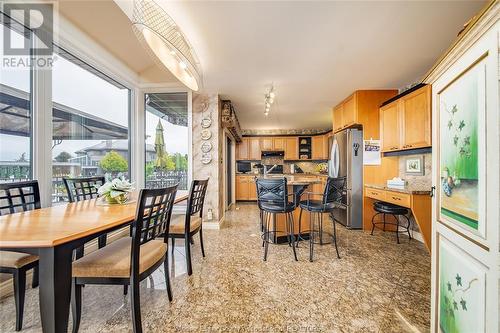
x=377 y=286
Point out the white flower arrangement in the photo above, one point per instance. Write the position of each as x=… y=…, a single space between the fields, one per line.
x=116 y=191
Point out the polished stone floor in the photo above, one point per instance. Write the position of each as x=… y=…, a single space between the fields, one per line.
x=377 y=286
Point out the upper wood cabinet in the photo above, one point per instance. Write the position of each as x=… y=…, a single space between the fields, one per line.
x=291 y=148
x=254 y=149
x=349 y=111
x=318 y=147
x=242 y=149
x=337 y=118
x=406 y=122
x=266 y=144
x=279 y=143
x=346 y=113
x=416 y=119
x=390 y=127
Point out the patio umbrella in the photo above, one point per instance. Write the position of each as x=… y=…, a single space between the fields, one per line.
x=160 y=162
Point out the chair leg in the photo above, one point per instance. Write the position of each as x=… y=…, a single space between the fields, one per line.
x=173 y=245
x=135 y=300
x=292 y=236
x=101 y=241
x=335 y=237
x=201 y=243
x=320 y=215
x=287 y=230
x=267 y=237
x=264 y=225
x=76 y=304
x=79 y=252
x=167 y=278
x=34 y=279
x=299 y=236
x=384 y=221
x=311 y=236
x=125 y=290
x=397 y=228
x=408 y=226
x=187 y=246
x=19 y=293
x=373 y=223
x=191 y=240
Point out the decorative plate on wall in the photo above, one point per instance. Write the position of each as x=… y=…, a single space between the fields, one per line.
x=206 y=158
x=206 y=147
x=206 y=134
x=206 y=122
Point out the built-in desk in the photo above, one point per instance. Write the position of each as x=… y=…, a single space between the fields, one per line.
x=417 y=199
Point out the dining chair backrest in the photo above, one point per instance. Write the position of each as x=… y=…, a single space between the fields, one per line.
x=19 y=197
x=196 y=197
x=152 y=219
x=273 y=191
x=83 y=188
x=334 y=190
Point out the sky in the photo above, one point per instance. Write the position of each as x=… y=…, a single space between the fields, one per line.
x=75 y=87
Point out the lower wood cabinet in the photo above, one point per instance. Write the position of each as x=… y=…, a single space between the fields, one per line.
x=245 y=187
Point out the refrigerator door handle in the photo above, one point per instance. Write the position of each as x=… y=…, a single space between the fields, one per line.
x=335 y=159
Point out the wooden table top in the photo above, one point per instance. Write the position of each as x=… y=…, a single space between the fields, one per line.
x=51 y=226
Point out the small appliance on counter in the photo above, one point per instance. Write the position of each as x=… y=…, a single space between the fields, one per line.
x=243 y=167
x=396 y=183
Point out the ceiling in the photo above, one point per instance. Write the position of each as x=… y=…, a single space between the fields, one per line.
x=315 y=53
x=107 y=24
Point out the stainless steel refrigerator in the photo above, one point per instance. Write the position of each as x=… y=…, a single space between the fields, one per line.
x=346 y=160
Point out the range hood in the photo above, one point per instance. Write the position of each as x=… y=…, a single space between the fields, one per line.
x=273 y=153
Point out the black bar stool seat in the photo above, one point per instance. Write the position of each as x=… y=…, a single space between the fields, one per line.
x=272 y=207
x=386 y=208
x=317 y=206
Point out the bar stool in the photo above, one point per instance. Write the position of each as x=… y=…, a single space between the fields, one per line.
x=331 y=198
x=386 y=208
x=272 y=199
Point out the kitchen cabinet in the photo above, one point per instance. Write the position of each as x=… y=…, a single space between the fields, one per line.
x=291 y=148
x=416 y=119
x=318 y=147
x=279 y=143
x=406 y=122
x=266 y=144
x=337 y=118
x=390 y=127
x=349 y=111
x=254 y=149
x=245 y=188
x=242 y=149
x=346 y=113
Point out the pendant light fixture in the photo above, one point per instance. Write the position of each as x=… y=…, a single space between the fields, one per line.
x=269 y=100
x=165 y=42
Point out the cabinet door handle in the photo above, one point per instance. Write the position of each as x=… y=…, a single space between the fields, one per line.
x=396 y=198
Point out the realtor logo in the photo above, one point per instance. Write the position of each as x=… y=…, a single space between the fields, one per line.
x=37 y=17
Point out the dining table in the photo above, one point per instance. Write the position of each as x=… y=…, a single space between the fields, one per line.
x=53 y=233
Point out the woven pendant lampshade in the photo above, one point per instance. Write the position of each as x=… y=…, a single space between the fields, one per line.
x=165 y=42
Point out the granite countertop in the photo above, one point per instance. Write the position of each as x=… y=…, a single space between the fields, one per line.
x=409 y=189
x=293 y=180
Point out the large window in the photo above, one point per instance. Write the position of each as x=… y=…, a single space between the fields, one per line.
x=15 y=114
x=167 y=140
x=90 y=118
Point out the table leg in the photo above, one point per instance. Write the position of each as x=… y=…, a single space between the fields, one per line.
x=55 y=287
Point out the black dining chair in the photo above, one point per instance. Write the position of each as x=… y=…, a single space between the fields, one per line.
x=272 y=199
x=129 y=260
x=84 y=188
x=317 y=204
x=186 y=226
x=19 y=197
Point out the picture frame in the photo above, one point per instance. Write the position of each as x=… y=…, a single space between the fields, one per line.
x=414 y=165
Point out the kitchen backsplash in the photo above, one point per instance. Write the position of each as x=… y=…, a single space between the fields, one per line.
x=417 y=181
x=306 y=166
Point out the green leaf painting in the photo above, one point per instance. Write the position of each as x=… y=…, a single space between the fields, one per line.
x=461 y=294
x=459 y=111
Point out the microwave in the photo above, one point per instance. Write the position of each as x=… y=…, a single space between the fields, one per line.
x=243 y=167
